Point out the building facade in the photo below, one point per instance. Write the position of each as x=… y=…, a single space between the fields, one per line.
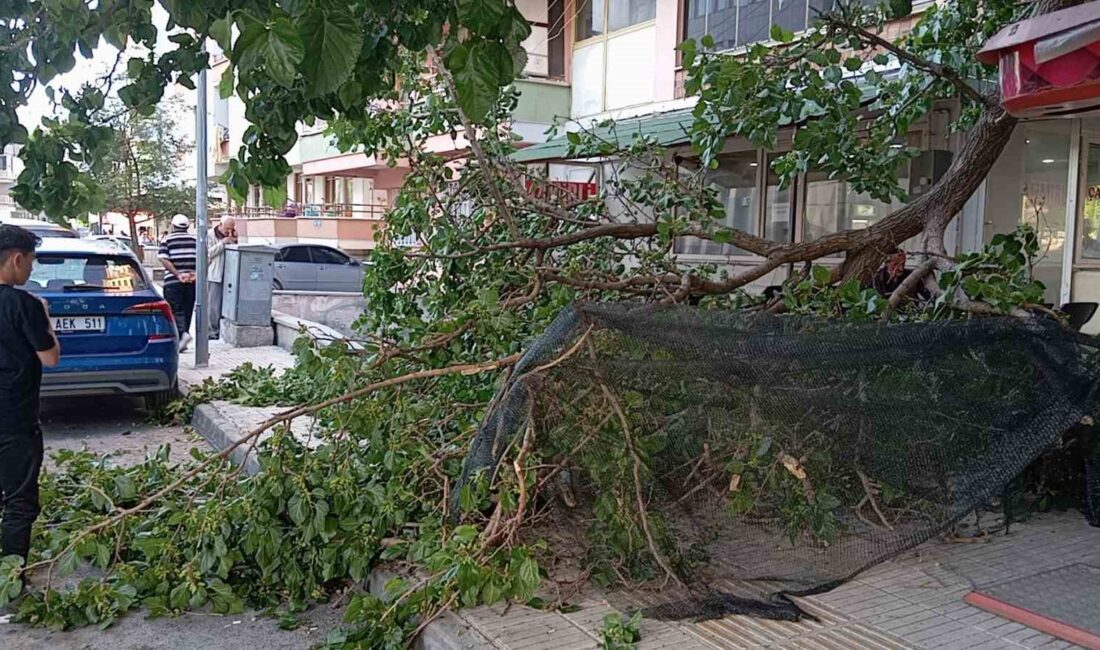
x=595 y=59
x=339 y=198
x=10 y=167
x=624 y=65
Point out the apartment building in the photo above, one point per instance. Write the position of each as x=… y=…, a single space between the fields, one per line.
x=10 y=166
x=594 y=59
x=339 y=198
x=622 y=64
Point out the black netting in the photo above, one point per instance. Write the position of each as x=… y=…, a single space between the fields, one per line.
x=772 y=455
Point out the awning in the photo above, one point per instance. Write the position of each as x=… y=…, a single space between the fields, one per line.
x=666 y=129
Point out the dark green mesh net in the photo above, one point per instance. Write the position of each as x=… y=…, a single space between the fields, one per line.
x=727 y=460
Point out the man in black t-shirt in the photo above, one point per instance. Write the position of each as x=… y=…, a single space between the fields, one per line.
x=27 y=342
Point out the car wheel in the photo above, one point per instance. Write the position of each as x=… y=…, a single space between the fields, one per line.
x=278 y=286
x=160 y=399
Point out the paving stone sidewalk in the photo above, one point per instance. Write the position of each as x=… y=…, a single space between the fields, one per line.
x=224 y=358
x=912 y=602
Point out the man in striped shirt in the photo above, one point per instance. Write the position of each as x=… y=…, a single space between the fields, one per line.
x=177 y=253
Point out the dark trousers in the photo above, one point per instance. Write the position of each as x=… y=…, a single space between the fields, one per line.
x=181 y=298
x=20 y=463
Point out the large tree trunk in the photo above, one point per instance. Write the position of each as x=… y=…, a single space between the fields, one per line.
x=930 y=215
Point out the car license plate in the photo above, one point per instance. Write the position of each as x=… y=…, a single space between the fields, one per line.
x=79 y=323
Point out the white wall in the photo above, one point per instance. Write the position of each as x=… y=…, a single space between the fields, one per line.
x=630 y=68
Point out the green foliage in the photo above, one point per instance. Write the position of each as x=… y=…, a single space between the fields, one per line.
x=293 y=61
x=1000 y=275
x=620 y=633
x=755 y=94
x=140 y=171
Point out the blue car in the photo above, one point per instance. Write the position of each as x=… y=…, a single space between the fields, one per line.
x=117 y=334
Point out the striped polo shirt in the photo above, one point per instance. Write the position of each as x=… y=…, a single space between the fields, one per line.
x=179 y=249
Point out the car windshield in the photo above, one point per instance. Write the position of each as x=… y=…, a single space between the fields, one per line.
x=54 y=232
x=85 y=272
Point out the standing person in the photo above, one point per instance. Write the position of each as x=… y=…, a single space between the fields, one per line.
x=220 y=236
x=27 y=342
x=177 y=253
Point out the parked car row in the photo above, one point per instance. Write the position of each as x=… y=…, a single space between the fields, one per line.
x=117 y=334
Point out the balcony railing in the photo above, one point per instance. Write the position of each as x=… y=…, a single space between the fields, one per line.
x=309 y=210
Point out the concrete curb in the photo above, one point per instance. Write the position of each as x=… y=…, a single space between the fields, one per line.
x=221 y=432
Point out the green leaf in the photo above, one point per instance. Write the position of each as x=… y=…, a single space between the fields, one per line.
x=282 y=51
x=222 y=33
x=225 y=84
x=529 y=573
x=276 y=46
x=134 y=68
x=465 y=534
x=333 y=41
x=67 y=564
x=723 y=236
x=476 y=68
x=275 y=196
x=296 y=509
x=781 y=35
x=853 y=63
x=481 y=16
x=822 y=276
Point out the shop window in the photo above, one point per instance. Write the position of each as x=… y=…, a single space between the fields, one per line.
x=737 y=183
x=599 y=17
x=832 y=205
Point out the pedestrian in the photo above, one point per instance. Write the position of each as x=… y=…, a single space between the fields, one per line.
x=146 y=237
x=27 y=342
x=220 y=236
x=177 y=253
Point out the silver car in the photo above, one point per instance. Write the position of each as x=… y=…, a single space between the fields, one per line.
x=312 y=267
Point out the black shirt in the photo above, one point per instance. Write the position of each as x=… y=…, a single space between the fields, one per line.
x=24 y=330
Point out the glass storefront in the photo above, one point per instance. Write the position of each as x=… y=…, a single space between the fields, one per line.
x=1029 y=184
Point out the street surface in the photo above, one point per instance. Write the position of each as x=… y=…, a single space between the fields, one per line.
x=120 y=427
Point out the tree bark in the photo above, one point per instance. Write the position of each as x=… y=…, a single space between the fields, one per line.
x=933 y=212
x=930 y=215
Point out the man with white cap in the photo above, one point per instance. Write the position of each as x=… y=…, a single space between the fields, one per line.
x=177 y=253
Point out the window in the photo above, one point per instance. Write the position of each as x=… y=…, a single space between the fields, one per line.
x=598 y=17
x=832 y=206
x=328 y=256
x=777 y=208
x=736 y=183
x=733 y=23
x=1090 y=245
x=299 y=254
x=60 y=272
x=3 y=163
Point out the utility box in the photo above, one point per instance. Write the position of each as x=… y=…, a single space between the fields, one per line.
x=246 y=295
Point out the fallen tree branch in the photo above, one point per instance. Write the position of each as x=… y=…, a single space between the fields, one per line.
x=285 y=416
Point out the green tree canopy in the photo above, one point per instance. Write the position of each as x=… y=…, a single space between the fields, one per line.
x=140 y=171
x=292 y=61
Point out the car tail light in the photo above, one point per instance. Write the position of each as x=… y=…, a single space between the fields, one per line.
x=159 y=307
